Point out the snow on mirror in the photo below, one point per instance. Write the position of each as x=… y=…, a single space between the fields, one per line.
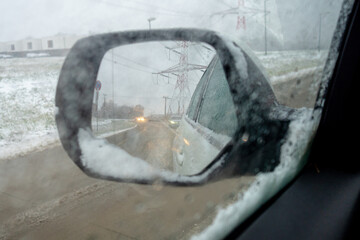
x=166 y=103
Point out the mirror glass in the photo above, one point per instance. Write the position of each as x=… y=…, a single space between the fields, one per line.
x=167 y=103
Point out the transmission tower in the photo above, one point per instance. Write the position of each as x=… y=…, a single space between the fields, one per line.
x=181 y=94
x=243 y=12
x=241 y=20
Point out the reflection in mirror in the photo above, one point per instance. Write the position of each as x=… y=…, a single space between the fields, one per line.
x=167 y=103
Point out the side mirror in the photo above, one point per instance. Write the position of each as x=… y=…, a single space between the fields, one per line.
x=257 y=122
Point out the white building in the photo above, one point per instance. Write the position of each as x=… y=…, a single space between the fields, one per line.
x=31 y=44
x=57 y=42
x=2 y=47
x=60 y=41
x=13 y=46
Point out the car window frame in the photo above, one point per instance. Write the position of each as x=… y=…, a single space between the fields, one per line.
x=201 y=95
x=225 y=94
x=194 y=122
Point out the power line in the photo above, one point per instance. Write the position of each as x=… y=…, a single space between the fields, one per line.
x=142 y=97
x=182 y=69
x=203 y=58
x=150 y=11
x=156 y=6
x=223 y=2
x=137 y=69
x=130 y=60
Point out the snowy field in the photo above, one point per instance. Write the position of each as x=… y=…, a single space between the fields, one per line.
x=282 y=63
x=27 y=92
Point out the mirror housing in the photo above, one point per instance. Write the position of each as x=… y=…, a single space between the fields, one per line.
x=252 y=94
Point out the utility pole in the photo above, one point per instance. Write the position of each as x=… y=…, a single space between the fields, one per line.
x=265 y=30
x=104 y=104
x=113 y=87
x=319 y=34
x=165 y=98
x=149 y=20
x=104 y=112
x=319 y=38
x=97 y=110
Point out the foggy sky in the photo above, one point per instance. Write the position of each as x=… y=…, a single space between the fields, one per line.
x=40 y=18
x=300 y=20
x=136 y=82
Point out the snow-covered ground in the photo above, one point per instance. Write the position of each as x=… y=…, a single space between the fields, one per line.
x=27 y=93
x=284 y=62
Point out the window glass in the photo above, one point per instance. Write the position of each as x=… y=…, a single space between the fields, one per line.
x=217 y=109
x=196 y=97
x=43 y=195
x=50 y=44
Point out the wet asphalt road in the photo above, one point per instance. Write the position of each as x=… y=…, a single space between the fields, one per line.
x=43 y=195
x=150 y=141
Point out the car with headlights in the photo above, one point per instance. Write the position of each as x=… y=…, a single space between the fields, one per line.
x=141 y=119
x=174 y=121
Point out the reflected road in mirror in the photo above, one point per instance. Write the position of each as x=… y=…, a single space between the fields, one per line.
x=150 y=141
x=162 y=102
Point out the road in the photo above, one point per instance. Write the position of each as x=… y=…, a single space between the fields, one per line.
x=43 y=195
x=150 y=141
